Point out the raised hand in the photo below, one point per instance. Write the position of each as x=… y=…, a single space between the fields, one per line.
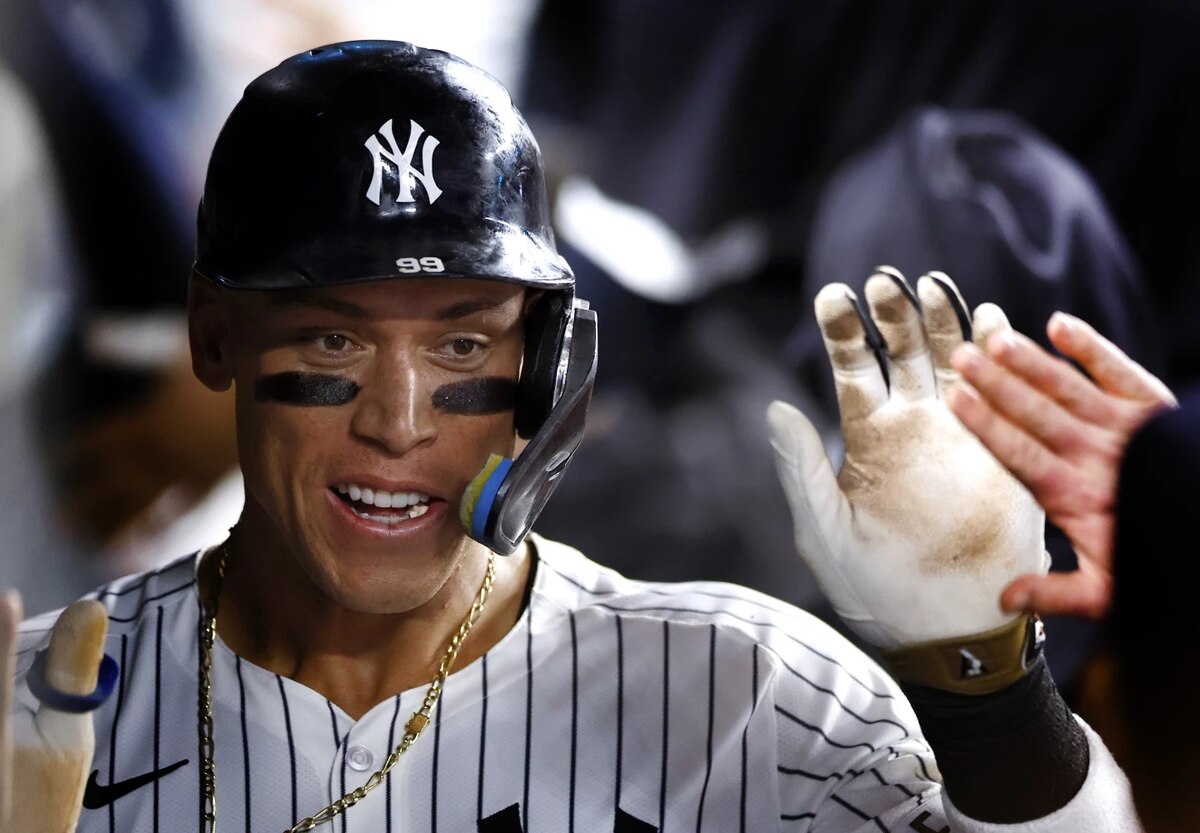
x=51 y=750
x=10 y=617
x=915 y=538
x=1063 y=436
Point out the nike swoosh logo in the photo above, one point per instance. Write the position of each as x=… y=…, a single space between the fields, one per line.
x=96 y=796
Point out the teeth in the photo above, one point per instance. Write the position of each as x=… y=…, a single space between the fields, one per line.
x=382 y=499
x=415 y=512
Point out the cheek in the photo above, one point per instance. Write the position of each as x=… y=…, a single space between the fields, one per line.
x=474 y=437
x=276 y=443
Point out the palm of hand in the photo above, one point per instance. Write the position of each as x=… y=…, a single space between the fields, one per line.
x=933 y=517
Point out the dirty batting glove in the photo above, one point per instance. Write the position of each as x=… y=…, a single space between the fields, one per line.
x=46 y=752
x=916 y=536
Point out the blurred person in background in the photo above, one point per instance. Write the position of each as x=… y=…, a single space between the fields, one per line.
x=131 y=94
x=982 y=195
x=712 y=129
x=37 y=296
x=716 y=166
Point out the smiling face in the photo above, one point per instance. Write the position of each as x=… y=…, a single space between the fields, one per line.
x=363 y=412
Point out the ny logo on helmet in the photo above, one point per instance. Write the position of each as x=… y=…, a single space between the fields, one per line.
x=405 y=172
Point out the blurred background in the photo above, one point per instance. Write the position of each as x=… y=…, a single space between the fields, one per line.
x=712 y=165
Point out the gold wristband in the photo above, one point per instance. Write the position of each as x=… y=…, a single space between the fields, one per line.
x=979 y=664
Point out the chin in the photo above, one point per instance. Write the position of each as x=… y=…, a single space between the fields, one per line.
x=392 y=583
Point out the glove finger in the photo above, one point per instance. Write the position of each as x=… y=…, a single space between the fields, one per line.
x=897 y=313
x=947 y=324
x=820 y=510
x=857 y=374
x=55 y=750
x=76 y=648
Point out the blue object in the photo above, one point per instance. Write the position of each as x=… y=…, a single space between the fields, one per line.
x=487 y=496
x=72 y=703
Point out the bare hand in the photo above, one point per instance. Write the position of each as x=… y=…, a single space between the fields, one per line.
x=1063 y=436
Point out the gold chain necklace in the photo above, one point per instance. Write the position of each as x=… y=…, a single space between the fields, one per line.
x=412 y=730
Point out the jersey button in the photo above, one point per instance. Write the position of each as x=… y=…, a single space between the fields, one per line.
x=359 y=758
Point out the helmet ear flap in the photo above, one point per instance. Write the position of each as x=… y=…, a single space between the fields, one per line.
x=545 y=325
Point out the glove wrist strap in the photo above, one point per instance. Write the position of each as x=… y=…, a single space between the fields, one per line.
x=978 y=664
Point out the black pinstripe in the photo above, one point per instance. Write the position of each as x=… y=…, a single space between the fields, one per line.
x=812 y=728
x=245 y=739
x=483 y=704
x=757 y=623
x=813 y=776
x=798 y=816
x=112 y=739
x=838 y=799
x=709 y=594
x=662 y=789
x=137 y=585
x=528 y=707
x=437 y=743
x=620 y=709
x=287 y=721
x=574 y=723
x=907 y=792
x=157 y=704
x=345 y=752
x=391 y=744
x=147 y=602
x=712 y=697
x=337 y=739
x=746 y=736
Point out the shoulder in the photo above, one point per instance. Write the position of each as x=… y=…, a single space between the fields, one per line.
x=127 y=601
x=796 y=647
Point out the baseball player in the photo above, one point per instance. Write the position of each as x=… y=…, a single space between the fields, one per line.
x=381 y=645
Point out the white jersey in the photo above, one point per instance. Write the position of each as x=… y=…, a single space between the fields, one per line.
x=613 y=705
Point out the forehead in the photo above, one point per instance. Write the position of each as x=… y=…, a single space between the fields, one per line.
x=423 y=299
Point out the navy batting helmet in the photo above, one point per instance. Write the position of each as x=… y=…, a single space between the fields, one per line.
x=376 y=160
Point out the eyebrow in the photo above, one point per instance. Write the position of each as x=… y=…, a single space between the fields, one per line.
x=465 y=308
x=319 y=301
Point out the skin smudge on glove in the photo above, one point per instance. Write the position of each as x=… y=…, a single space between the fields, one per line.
x=305 y=389
x=476 y=397
x=901 y=452
x=845 y=336
x=899 y=321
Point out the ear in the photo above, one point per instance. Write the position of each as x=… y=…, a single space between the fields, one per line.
x=208 y=333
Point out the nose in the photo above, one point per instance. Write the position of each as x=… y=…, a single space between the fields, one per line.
x=395 y=409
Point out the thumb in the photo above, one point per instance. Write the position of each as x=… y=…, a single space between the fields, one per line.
x=66 y=679
x=817 y=503
x=54 y=750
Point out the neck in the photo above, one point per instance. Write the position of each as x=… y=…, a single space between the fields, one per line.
x=271 y=615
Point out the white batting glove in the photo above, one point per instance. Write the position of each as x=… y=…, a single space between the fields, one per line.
x=45 y=755
x=915 y=538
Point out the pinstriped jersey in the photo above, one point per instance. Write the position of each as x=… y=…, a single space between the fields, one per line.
x=611 y=705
